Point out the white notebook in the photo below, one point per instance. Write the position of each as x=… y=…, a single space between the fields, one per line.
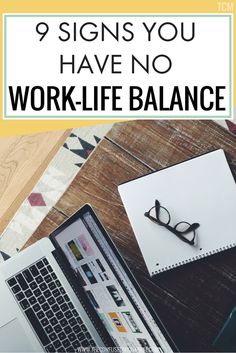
x=199 y=190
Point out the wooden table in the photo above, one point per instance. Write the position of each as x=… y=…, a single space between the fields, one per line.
x=23 y=160
x=193 y=300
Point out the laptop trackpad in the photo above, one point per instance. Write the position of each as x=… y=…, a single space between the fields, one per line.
x=13 y=338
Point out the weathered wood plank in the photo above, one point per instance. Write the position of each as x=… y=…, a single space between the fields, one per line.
x=164 y=143
x=189 y=328
x=96 y=183
x=192 y=300
x=188 y=291
x=173 y=142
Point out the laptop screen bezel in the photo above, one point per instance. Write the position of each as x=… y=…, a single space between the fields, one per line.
x=78 y=215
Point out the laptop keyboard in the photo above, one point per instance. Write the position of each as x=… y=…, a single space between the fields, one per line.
x=49 y=309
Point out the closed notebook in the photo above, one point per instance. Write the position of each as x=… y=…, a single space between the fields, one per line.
x=199 y=190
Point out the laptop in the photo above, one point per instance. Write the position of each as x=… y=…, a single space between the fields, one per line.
x=71 y=292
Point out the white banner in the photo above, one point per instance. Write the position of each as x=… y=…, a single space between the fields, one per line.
x=77 y=66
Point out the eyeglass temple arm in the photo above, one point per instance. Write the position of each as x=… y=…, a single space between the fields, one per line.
x=157 y=208
x=147 y=214
x=180 y=234
x=191 y=228
x=173 y=230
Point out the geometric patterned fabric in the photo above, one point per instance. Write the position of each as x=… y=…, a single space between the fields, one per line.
x=53 y=183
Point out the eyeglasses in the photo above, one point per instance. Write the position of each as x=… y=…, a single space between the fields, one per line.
x=183 y=230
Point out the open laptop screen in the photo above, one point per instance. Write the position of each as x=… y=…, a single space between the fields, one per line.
x=109 y=287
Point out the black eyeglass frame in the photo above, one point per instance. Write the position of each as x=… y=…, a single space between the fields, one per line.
x=180 y=234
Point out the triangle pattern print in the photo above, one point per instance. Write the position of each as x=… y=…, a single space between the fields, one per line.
x=80 y=147
x=36 y=199
x=231 y=126
x=52 y=184
x=83 y=152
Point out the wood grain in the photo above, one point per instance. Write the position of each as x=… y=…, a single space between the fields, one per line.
x=163 y=143
x=193 y=300
x=96 y=183
x=23 y=160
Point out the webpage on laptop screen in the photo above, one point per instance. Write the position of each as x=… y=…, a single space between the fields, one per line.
x=109 y=288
